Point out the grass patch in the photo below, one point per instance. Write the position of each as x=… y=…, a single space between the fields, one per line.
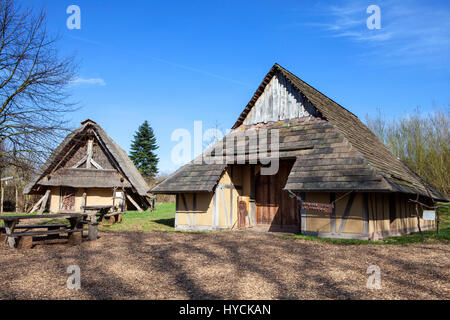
x=429 y=236
x=162 y=219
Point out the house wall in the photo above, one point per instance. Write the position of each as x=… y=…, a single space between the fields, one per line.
x=368 y=216
x=403 y=219
x=210 y=210
x=356 y=215
x=94 y=196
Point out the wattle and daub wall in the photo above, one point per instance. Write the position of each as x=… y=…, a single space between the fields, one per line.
x=355 y=214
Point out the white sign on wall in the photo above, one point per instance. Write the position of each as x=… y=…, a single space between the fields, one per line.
x=428 y=215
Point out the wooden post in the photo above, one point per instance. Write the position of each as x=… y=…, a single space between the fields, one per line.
x=17 y=198
x=83 y=201
x=9 y=228
x=3 y=192
x=24 y=242
x=36 y=206
x=93 y=231
x=134 y=203
x=44 y=201
x=75 y=238
x=418 y=216
x=114 y=199
x=437 y=220
x=89 y=153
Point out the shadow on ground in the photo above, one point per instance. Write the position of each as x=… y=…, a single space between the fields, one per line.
x=222 y=265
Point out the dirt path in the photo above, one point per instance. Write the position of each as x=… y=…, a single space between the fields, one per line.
x=238 y=265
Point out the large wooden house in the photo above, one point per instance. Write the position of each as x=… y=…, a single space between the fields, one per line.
x=335 y=177
x=88 y=169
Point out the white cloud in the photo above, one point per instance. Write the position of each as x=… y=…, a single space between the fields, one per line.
x=411 y=31
x=90 y=81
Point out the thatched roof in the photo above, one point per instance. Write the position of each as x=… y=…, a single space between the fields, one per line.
x=334 y=151
x=121 y=173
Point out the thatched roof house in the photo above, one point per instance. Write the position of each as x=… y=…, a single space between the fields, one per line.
x=349 y=183
x=89 y=168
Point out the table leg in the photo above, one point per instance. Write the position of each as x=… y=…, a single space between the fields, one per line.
x=74 y=237
x=2 y=234
x=93 y=230
x=93 y=227
x=9 y=229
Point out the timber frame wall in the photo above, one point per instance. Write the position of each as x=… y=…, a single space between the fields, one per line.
x=356 y=215
x=362 y=216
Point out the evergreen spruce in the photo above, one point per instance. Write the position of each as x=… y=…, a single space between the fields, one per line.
x=143 y=151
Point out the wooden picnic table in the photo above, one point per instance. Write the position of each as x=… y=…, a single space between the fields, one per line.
x=14 y=238
x=91 y=216
x=103 y=211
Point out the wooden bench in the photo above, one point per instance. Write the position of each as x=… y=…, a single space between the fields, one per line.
x=113 y=217
x=91 y=216
x=24 y=239
x=42 y=226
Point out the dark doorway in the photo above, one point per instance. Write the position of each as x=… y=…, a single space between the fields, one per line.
x=274 y=208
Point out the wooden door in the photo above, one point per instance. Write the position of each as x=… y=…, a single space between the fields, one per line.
x=67 y=203
x=273 y=205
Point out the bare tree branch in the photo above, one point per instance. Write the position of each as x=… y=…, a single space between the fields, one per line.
x=34 y=85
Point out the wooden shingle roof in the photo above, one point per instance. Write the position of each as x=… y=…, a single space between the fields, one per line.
x=334 y=152
x=191 y=178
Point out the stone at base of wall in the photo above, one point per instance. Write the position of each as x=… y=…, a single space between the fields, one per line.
x=372 y=236
x=359 y=236
x=198 y=228
x=400 y=232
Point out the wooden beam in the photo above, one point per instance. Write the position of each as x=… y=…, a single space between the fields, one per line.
x=9 y=229
x=95 y=164
x=333 y=213
x=36 y=206
x=79 y=163
x=89 y=153
x=346 y=212
x=16 y=193
x=366 y=214
x=186 y=209
x=44 y=201
x=2 y=196
x=65 y=156
x=134 y=203
x=83 y=201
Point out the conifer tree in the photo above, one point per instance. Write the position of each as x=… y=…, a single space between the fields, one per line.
x=143 y=151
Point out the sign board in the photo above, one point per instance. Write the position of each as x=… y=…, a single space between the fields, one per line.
x=428 y=215
x=320 y=207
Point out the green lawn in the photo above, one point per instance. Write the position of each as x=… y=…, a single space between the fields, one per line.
x=429 y=236
x=162 y=219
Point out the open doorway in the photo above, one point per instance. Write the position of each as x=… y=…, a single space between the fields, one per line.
x=275 y=209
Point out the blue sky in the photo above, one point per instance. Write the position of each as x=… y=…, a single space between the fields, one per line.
x=175 y=62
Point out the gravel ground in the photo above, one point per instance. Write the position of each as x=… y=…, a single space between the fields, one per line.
x=224 y=265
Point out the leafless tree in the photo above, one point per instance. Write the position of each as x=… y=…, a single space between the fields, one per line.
x=34 y=84
x=421 y=140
